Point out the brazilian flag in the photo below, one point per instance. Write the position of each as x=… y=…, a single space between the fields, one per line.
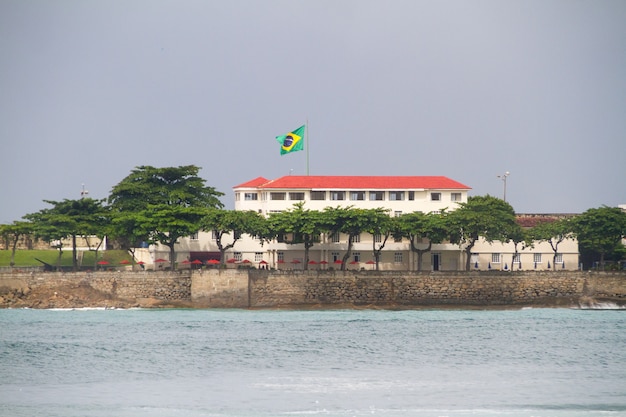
x=292 y=141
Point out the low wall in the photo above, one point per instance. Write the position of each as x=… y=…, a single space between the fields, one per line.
x=216 y=288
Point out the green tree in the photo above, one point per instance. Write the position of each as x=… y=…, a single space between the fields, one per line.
x=12 y=234
x=418 y=226
x=553 y=231
x=519 y=236
x=298 y=226
x=381 y=226
x=161 y=205
x=482 y=216
x=600 y=231
x=349 y=221
x=231 y=222
x=69 y=219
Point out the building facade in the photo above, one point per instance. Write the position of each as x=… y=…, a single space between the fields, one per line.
x=397 y=194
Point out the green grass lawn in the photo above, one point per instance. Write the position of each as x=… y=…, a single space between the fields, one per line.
x=24 y=258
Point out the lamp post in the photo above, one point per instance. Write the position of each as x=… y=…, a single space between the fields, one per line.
x=503 y=178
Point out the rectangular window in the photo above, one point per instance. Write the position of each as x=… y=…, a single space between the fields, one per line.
x=559 y=258
x=213 y=235
x=357 y=256
x=299 y=196
x=281 y=256
x=377 y=195
x=474 y=260
x=237 y=256
x=357 y=195
x=194 y=236
x=396 y=195
x=337 y=195
x=397 y=257
x=537 y=258
x=258 y=256
x=335 y=256
x=236 y=196
x=455 y=196
x=250 y=196
x=397 y=213
x=378 y=238
x=318 y=195
x=334 y=237
x=411 y=195
x=277 y=196
x=356 y=239
x=516 y=258
x=495 y=258
x=435 y=196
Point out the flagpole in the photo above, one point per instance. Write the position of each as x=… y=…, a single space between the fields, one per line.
x=306 y=130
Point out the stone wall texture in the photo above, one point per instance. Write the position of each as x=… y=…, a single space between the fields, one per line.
x=216 y=288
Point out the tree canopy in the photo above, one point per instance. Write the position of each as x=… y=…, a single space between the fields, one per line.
x=482 y=216
x=600 y=231
x=161 y=204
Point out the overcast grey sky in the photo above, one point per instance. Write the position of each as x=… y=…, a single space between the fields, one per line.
x=466 y=89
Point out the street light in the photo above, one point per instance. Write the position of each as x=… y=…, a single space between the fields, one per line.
x=503 y=178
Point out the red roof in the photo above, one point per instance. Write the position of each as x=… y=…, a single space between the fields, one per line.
x=252 y=183
x=355 y=182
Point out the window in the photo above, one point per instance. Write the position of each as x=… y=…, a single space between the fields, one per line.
x=337 y=195
x=455 y=196
x=276 y=211
x=282 y=237
x=281 y=256
x=396 y=195
x=194 y=236
x=335 y=256
x=236 y=196
x=318 y=195
x=258 y=256
x=250 y=196
x=397 y=257
x=397 y=238
x=237 y=256
x=411 y=195
x=397 y=213
x=299 y=196
x=277 y=196
x=495 y=258
x=537 y=258
x=213 y=235
x=357 y=195
x=377 y=195
x=559 y=258
x=516 y=258
x=435 y=196
x=334 y=237
x=378 y=238
x=474 y=259
x=356 y=239
x=357 y=256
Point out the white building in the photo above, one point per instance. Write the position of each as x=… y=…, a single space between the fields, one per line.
x=398 y=194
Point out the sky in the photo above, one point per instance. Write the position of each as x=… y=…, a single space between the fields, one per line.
x=90 y=90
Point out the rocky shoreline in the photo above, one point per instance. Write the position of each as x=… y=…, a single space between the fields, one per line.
x=78 y=297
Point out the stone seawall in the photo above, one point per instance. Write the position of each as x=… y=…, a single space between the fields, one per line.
x=407 y=289
x=229 y=288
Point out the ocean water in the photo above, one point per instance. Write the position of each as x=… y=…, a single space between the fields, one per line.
x=180 y=363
